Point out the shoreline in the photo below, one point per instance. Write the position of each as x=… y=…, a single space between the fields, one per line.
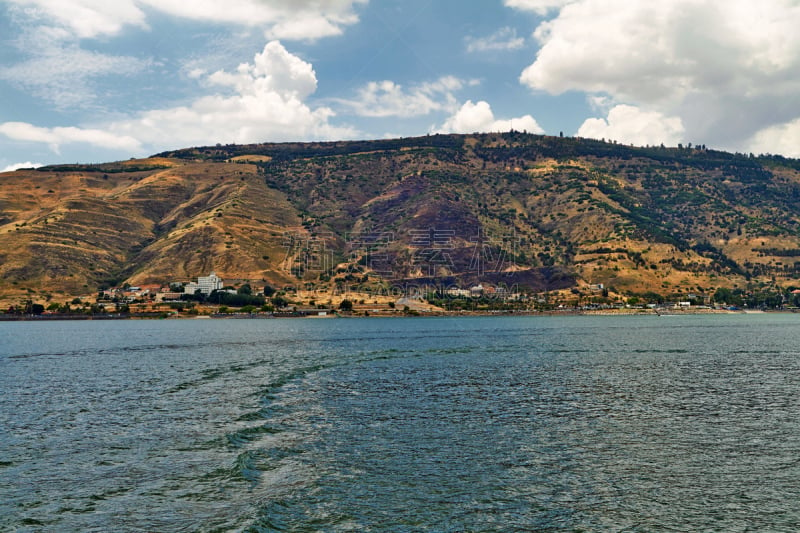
x=421 y=314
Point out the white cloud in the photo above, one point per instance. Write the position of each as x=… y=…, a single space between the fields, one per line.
x=52 y=36
x=56 y=137
x=84 y=18
x=266 y=104
x=17 y=166
x=263 y=101
x=537 y=6
x=631 y=125
x=389 y=99
x=503 y=39
x=780 y=139
x=63 y=74
x=726 y=68
x=478 y=117
x=272 y=70
x=298 y=19
x=308 y=27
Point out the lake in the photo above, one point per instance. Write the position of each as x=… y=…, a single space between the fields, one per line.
x=402 y=424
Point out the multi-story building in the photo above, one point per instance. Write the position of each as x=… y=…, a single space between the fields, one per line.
x=210 y=283
x=205 y=284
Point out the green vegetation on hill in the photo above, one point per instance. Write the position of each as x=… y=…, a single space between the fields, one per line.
x=541 y=212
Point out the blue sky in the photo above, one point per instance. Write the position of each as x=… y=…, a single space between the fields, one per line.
x=92 y=81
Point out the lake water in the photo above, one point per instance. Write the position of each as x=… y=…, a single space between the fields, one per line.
x=402 y=425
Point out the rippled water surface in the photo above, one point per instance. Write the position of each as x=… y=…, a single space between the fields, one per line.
x=446 y=424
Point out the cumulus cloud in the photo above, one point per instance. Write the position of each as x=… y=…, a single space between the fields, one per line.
x=53 y=36
x=274 y=70
x=299 y=19
x=265 y=102
x=726 y=68
x=389 y=99
x=631 y=125
x=259 y=101
x=503 y=39
x=56 y=137
x=779 y=139
x=17 y=166
x=478 y=117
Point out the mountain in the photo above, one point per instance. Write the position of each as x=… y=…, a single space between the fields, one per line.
x=543 y=213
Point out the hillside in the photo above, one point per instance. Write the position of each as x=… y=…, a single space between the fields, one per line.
x=544 y=213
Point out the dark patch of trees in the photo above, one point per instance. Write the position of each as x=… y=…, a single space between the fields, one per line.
x=226 y=298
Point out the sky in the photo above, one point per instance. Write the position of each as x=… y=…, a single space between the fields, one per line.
x=88 y=81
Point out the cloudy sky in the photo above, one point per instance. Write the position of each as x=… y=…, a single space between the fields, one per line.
x=98 y=80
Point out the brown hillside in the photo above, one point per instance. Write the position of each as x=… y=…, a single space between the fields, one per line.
x=539 y=211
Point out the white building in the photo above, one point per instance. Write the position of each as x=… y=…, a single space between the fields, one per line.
x=205 y=284
x=456 y=292
x=210 y=283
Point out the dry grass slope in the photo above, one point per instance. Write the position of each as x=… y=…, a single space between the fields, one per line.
x=551 y=212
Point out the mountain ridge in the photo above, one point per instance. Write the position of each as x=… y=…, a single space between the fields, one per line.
x=544 y=213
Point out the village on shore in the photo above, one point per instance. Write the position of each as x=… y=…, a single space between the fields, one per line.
x=213 y=297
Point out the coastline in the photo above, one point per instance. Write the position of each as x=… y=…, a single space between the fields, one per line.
x=500 y=313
